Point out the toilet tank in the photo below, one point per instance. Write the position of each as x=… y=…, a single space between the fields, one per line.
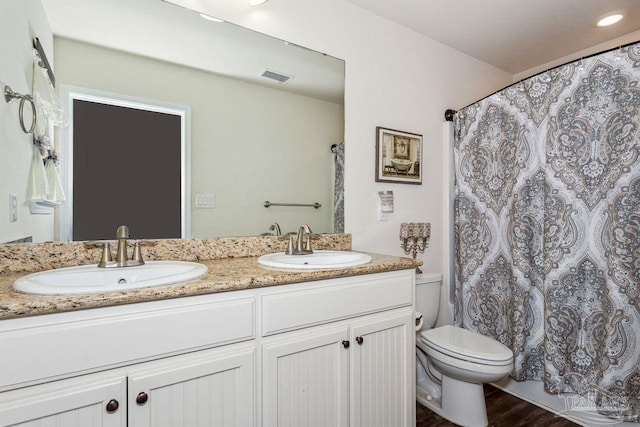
x=428 y=297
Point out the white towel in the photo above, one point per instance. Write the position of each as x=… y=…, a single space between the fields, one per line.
x=38 y=183
x=56 y=192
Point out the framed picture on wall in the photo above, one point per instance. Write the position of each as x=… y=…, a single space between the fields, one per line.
x=398 y=156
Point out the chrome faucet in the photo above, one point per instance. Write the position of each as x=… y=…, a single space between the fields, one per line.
x=276 y=227
x=122 y=236
x=303 y=245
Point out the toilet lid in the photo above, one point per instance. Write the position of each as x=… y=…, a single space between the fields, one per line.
x=467 y=345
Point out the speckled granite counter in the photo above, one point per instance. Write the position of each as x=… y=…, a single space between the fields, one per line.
x=32 y=257
x=227 y=274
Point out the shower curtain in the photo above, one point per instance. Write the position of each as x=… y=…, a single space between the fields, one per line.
x=338 y=188
x=547 y=227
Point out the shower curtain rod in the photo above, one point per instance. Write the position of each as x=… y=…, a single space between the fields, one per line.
x=449 y=113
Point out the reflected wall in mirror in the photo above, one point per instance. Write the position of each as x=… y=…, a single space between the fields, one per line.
x=252 y=139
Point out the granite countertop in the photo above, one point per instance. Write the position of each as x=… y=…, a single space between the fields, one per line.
x=224 y=275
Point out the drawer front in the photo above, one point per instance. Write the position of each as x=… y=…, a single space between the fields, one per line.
x=54 y=350
x=320 y=304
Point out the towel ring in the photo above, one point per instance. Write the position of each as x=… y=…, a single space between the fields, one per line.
x=10 y=95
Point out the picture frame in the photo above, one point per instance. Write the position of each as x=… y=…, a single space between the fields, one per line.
x=398 y=156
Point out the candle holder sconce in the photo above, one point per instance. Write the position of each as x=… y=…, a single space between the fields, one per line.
x=414 y=237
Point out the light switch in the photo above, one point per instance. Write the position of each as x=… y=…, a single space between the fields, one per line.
x=13 y=208
x=205 y=201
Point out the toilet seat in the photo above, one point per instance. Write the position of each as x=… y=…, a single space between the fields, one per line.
x=467 y=345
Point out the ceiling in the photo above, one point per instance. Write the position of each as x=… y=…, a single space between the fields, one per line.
x=513 y=35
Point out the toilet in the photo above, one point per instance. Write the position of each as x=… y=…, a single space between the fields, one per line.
x=452 y=363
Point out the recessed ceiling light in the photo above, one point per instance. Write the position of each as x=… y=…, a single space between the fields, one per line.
x=210 y=18
x=257 y=2
x=609 y=19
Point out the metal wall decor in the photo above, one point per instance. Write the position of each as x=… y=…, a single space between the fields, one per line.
x=10 y=95
x=414 y=236
x=315 y=205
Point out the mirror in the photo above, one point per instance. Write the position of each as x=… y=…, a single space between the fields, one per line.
x=252 y=139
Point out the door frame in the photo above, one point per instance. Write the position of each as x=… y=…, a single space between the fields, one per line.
x=68 y=94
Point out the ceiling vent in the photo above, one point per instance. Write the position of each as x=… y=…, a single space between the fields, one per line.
x=275 y=76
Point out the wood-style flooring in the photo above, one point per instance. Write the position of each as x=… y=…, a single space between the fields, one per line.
x=503 y=410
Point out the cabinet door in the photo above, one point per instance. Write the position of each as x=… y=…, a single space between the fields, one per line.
x=89 y=401
x=305 y=378
x=382 y=366
x=210 y=388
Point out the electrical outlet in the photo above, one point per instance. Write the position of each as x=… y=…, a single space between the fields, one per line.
x=13 y=208
x=382 y=215
x=205 y=201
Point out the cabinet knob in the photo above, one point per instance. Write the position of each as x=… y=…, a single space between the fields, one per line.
x=345 y=344
x=142 y=398
x=359 y=340
x=112 y=405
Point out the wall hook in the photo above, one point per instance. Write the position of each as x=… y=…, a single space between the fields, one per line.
x=10 y=95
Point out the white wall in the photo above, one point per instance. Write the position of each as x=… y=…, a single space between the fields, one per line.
x=395 y=78
x=22 y=20
x=238 y=131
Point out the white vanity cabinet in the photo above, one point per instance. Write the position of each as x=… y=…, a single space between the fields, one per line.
x=207 y=388
x=382 y=366
x=356 y=369
x=306 y=378
x=335 y=352
x=91 y=368
x=92 y=400
x=354 y=374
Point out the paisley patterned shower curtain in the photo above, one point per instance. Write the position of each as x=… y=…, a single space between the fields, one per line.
x=547 y=227
x=338 y=188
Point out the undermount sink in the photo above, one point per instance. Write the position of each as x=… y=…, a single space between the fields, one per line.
x=88 y=279
x=318 y=260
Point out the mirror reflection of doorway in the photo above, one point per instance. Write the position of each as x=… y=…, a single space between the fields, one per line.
x=127 y=168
